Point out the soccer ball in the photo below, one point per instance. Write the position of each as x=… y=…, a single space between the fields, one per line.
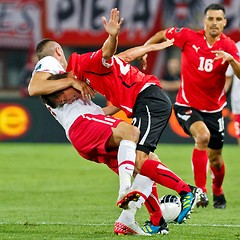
x=171 y=207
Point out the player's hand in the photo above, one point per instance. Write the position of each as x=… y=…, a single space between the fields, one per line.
x=143 y=61
x=112 y=26
x=226 y=57
x=163 y=45
x=86 y=91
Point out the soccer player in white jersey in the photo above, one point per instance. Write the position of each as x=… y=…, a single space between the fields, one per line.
x=205 y=56
x=231 y=78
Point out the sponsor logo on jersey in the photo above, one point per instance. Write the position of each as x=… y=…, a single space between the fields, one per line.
x=195 y=47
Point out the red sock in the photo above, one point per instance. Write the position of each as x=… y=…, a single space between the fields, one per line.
x=200 y=164
x=217 y=179
x=153 y=206
x=160 y=174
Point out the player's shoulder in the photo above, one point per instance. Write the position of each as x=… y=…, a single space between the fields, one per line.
x=226 y=39
x=48 y=59
x=178 y=30
x=48 y=64
x=228 y=44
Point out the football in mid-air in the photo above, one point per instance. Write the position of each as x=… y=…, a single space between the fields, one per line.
x=171 y=207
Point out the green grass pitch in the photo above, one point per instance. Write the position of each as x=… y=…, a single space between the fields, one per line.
x=48 y=192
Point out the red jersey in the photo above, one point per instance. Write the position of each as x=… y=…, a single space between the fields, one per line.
x=202 y=78
x=117 y=80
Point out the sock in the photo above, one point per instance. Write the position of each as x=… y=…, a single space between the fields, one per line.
x=217 y=179
x=128 y=216
x=144 y=185
x=153 y=206
x=159 y=173
x=126 y=161
x=200 y=167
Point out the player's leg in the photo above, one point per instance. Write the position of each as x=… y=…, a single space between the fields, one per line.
x=125 y=136
x=192 y=123
x=153 y=110
x=149 y=197
x=216 y=126
x=107 y=133
x=127 y=217
x=217 y=168
x=201 y=136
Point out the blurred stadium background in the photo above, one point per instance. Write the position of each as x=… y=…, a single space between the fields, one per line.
x=77 y=25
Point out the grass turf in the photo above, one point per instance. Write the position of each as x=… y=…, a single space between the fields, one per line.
x=49 y=192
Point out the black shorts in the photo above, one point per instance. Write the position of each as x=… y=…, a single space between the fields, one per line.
x=186 y=116
x=151 y=113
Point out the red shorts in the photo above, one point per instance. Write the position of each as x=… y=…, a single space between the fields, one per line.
x=89 y=135
x=237 y=125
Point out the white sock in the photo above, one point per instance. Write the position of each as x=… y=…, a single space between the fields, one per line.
x=144 y=185
x=126 y=161
x=128 y=216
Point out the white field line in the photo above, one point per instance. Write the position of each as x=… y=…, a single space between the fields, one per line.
x=109 y=224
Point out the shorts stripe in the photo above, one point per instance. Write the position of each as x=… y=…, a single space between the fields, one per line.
x=148 y=128
x=106 y=121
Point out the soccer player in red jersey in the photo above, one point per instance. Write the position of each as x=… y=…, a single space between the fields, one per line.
x=141 y=97
x=205 y=56
x=146 y=103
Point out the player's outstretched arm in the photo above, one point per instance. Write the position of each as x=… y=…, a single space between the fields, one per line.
x=112 y=27
x=137 y=52
x=156 y=38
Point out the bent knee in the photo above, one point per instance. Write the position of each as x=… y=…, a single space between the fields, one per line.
x=131 y=133
x=203 y=139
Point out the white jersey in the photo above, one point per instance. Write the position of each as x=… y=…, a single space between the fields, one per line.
x=235 y=91
x=68 y=113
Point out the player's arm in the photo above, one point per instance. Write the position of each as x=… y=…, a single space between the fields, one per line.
x=156 y=38
x=136 y=52
x=112 y=27
x=110 y=110
x=41 y=85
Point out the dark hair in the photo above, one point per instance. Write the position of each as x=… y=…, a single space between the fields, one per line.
x=50 y=99
x=40 y=47
x=214 y=6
